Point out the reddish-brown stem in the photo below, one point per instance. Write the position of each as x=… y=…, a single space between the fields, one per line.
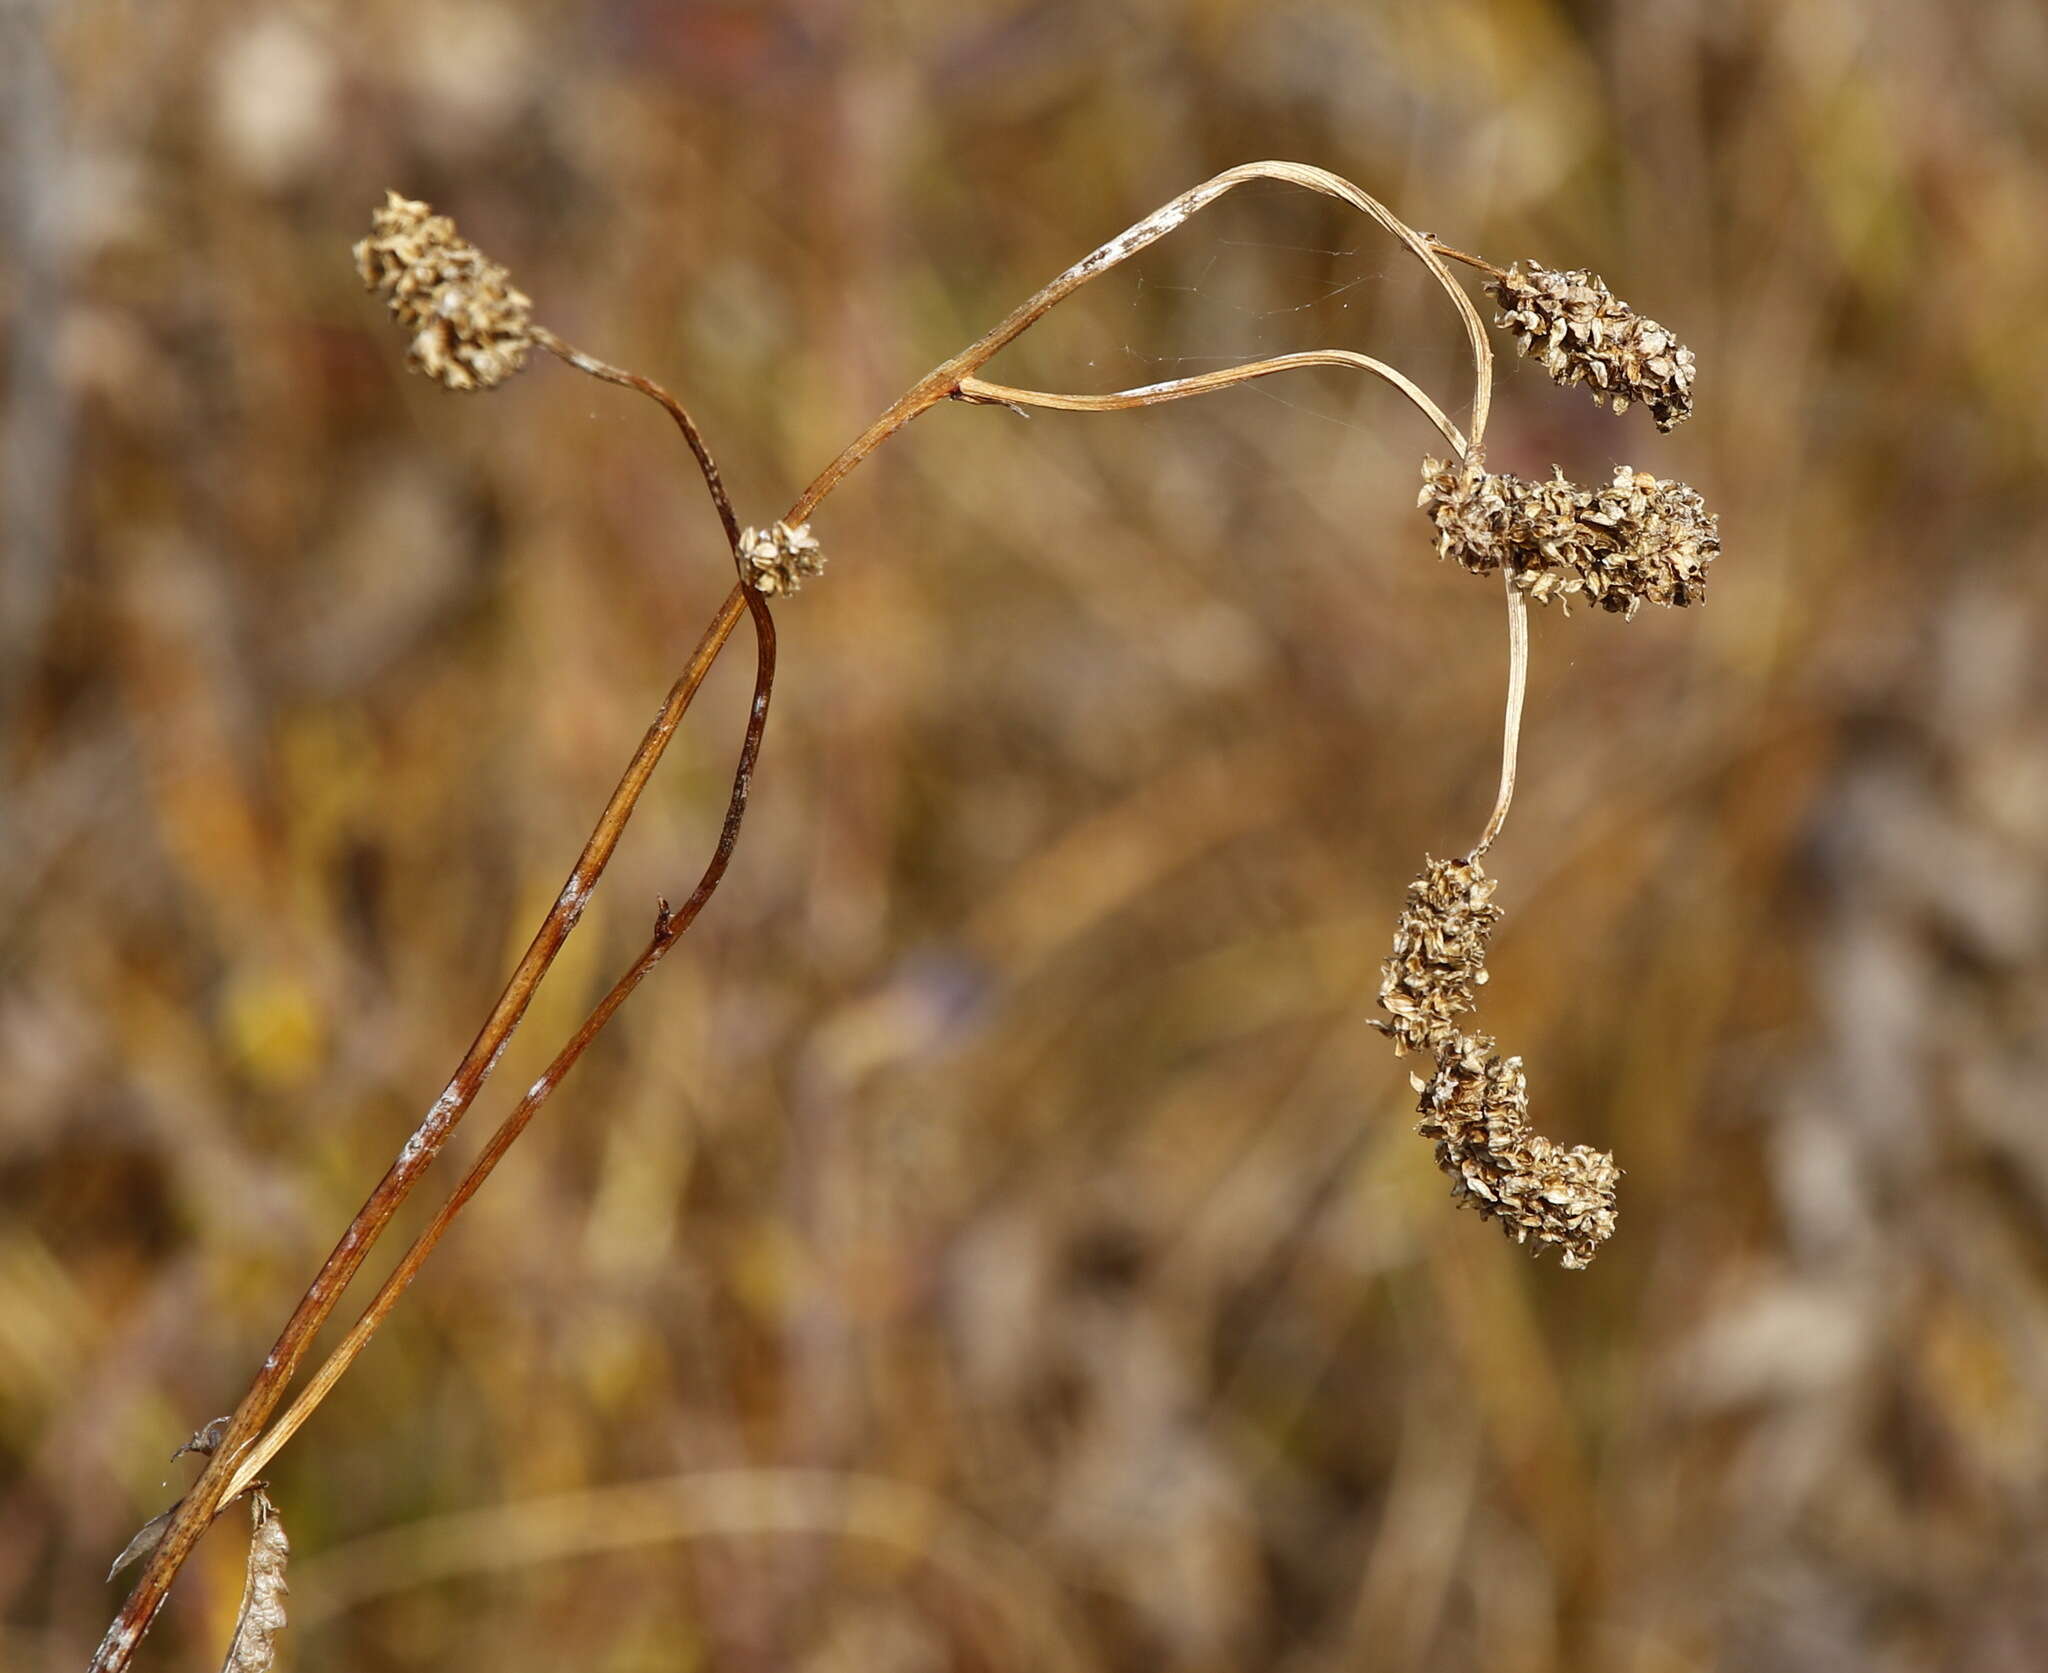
x=708 y=466
x=205 y=1499
x=668 y=929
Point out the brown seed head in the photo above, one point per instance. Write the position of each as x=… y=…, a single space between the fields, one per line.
x=1476 y=1107
x=1584 y=333
x=779 y=559
x=1638 y=539
x=1439 y=955
x=470 y=328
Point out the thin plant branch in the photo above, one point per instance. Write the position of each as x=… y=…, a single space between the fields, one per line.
x=1480 y=262
x=592 y=366
x=206 y=1498
x=1207 y=383
x=668 y=929
x=1511 y=727
x=944 y=380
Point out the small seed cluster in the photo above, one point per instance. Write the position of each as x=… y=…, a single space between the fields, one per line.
x=1475 y=1105
x=471 y=329
x=1584 y=334
x=779 y=559
x=1439 y=955
x=1638 y=540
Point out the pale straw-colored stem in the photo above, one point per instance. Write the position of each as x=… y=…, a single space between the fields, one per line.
x=943 y=380
x=1511 y=730
x=1207 y=383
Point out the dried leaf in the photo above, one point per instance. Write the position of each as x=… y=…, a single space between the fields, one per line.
x=262 y=1618
x=145 y=1541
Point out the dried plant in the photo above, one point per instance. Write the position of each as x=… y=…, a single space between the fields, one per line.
x=1439 y=955
x=1476 y=1107
x=253 y=1649
x=470 y=328
x=1584 y=333
x=1639 y=539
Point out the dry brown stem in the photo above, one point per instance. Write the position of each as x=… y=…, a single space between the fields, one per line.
x=208 y=1494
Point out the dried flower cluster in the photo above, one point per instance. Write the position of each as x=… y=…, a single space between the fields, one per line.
x=470 y=328
x=1476 y=1107
x=1476 y=1104
x=1439 y=955
x=1638 y=539
x=1584 y=333
x=779 y=559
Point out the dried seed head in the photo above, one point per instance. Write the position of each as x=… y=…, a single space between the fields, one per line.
x=779 y=559
x=470 y=328
x=1584 y=333
x=1638 y=539
x=1439 y=955
x=1476 y=1107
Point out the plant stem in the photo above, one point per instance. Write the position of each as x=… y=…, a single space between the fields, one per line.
x=945 y=379
x=1511 y=727
x=668 y=929
x=204 y=1501
x=706 y=465
x=1207 y=383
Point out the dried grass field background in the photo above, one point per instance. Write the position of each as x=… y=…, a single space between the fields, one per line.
x=994 y=1238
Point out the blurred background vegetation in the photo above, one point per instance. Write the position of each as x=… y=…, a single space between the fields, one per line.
x=995 y=1240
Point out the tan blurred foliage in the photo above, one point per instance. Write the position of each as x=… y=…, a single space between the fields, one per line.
x=995 y=1240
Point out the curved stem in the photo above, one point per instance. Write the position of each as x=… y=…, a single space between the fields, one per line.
x=596 y=368
x=1207 y=383
x=1511 y=729
x=944 y=379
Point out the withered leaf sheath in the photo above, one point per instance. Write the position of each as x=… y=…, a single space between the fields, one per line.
x=1638 y=540
x=1476 y=1107
x=1439 y=955
x=470 y=328
x=1584 y=333
x=254 y=1649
